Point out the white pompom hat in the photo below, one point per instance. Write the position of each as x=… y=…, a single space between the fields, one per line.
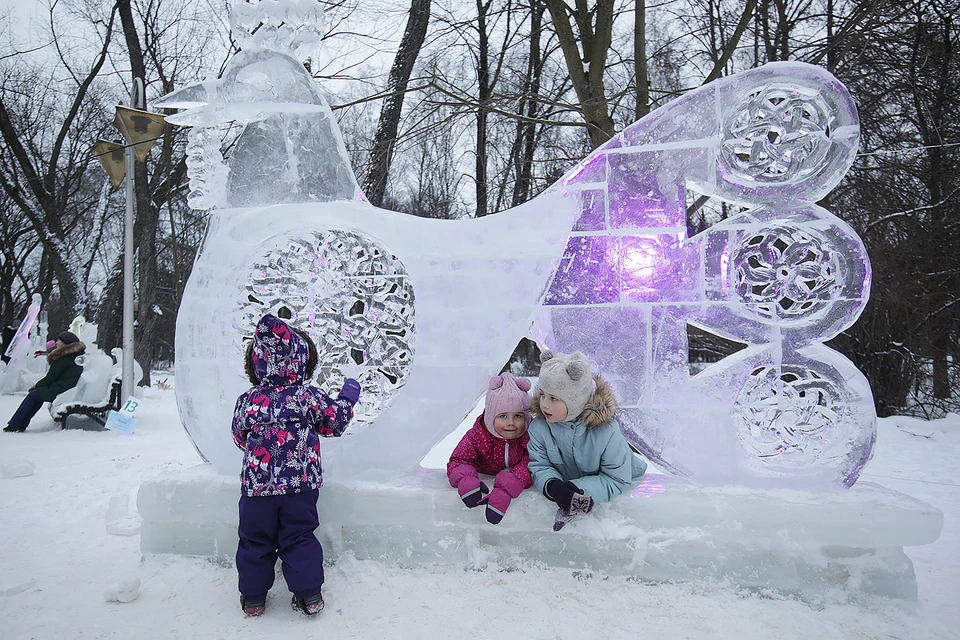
x=569 y=378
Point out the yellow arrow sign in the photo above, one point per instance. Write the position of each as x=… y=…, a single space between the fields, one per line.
x=110 y=155
x=140 y=128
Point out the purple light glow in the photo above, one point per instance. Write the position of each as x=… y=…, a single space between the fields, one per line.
x=591 y=169
x=652 y=485
x=636 y=198
x=659 y=268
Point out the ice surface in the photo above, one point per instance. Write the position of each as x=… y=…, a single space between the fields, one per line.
x=666 y=529
x=120 y=520
x=602 y=260
x=290 y=149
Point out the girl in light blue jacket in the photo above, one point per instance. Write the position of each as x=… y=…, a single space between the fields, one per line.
x=578 y=456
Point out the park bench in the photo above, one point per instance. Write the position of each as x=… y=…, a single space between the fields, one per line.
x=97 y=392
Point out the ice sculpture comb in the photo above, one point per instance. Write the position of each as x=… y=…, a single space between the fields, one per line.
x=781 y=277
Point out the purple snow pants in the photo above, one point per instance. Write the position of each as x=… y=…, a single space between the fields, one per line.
x=279 y=525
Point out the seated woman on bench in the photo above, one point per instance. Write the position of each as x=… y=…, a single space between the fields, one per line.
x=64 y=374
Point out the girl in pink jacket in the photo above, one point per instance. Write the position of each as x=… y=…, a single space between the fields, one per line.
x=496 y=444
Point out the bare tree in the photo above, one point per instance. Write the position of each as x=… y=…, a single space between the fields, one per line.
x=381 y=155
x=47 y=132
x=903 y=196
x=585 y=52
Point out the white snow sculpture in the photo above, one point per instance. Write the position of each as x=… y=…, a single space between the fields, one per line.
x=19 y=350
x=93 y=385
x=95 y=389
x=87 y=332
x=36 y=366
x=423 y=311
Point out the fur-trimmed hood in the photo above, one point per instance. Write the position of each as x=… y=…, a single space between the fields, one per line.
x=600 y=408
x=65 y=350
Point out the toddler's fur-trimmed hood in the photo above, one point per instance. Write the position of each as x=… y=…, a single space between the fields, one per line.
x=600 y=408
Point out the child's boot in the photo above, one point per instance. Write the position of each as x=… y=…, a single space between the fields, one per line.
x=309 y=606
x=253 y=607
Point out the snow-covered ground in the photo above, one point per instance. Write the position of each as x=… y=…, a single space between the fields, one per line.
x=62 y=573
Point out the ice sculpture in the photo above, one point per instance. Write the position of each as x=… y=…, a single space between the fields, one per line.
x=420 y=311
x=19 y=350
x=423 y=311
x=780 y=277
x=86 y=331
x=35 y=366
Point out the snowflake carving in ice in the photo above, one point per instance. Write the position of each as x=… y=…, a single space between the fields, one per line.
x=351 y=296
x=787 y=273
x=780 y=133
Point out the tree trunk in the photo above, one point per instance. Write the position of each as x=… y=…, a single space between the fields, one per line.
x=483 y=86
x=640 y=58
x=527 y=130
x=381 y=155
x=595 y=38
x=108 y=316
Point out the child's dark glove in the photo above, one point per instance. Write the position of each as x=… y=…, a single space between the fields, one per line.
x=350 y=391
x=561 y=492
x=570 y=498
x=578 y=504
x=472 y=491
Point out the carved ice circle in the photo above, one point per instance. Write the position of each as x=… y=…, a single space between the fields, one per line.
x=790 y=416
x=779 y=135
x=352 y=296
x=786 y=273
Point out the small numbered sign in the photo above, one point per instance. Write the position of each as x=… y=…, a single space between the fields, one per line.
x=123 y=421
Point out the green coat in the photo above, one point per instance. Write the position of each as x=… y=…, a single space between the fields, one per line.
x=64 y=371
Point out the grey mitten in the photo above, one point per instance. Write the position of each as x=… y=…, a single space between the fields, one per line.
x=578 y=504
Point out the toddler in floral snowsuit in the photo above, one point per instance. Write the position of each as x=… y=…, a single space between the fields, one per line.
x=496 y=444
x=277 y=424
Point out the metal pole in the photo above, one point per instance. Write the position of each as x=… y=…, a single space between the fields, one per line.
x=126 y=385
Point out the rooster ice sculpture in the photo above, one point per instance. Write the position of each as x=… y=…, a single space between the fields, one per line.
x=423 y=311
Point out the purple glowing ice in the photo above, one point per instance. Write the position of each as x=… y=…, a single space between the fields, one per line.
x=779 y=276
